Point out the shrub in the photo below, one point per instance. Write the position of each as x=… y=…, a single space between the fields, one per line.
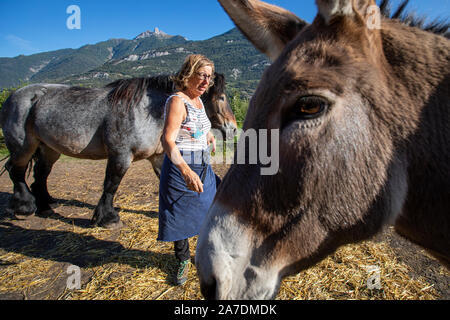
x=6 y=92
x=239 y=106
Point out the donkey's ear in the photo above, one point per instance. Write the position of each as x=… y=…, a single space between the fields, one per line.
x=330 y=9
x=268 y=27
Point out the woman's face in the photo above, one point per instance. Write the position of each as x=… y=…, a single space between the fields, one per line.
x=199 y=82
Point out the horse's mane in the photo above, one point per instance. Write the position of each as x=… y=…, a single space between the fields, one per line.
x=437 y=26
x=129 y=92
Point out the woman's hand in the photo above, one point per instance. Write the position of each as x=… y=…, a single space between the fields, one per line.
x=192 y=180
x=211 y=140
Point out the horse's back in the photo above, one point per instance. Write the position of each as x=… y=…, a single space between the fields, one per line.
x=69 y=120
x=16 y=109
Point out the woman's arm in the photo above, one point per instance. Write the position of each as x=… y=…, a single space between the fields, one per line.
x=176 y=113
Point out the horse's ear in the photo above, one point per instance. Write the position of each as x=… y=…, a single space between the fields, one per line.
x=268 y=27
x=330 y=9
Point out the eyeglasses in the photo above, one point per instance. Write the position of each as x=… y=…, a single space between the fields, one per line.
x=204 y=76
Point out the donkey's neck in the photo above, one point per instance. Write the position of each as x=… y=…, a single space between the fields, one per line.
x=417 y=82
x=419 y=60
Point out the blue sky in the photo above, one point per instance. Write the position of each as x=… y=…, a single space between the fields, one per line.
x=33 y=26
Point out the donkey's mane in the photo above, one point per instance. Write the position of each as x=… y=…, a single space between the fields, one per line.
x=437 y=26
x=129 y=92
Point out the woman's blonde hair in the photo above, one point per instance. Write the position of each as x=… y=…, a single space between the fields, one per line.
x=189 y=68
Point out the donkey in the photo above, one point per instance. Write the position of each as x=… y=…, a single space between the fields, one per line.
x=121 y=122
x=363 y=114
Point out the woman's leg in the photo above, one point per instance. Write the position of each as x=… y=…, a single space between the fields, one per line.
x=183 y=255
x=182 y=252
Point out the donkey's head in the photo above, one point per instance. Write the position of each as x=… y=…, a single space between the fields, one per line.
x=343 y=94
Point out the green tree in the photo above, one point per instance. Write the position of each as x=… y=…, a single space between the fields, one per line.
x=6 y=92
x=239 y=106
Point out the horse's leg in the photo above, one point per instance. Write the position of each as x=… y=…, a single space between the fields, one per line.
x=104 y=215
x=45 y=159
x=22 y=201
x=157 y=161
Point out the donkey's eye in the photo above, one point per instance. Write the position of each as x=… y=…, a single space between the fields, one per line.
x=306 y=108
x=309 y=107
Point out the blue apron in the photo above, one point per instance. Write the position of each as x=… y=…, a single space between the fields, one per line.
x=182 y=211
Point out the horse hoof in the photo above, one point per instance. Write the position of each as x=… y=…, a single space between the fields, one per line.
x=45 y=213
x=112 y=225
x=24 y=211
x=22 y=214
x=54 y=204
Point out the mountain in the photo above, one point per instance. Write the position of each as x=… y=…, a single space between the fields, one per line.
x=50 y=66
x=148 y=54
x=157 y=33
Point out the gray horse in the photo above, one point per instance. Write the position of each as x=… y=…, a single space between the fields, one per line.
x=121 y=122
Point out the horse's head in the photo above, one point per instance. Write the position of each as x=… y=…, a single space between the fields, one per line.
x=218 y=108
x=346 y=94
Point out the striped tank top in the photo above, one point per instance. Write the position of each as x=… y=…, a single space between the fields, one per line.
x=194 y=129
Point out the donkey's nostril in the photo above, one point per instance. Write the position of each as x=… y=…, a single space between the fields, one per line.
x=208 y=289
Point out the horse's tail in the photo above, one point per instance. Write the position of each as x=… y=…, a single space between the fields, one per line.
x=3 y=109
x=5 y=166
x=6 y=108
x=2 y=117
x=7 y=102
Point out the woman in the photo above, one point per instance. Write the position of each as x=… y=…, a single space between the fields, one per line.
x=188 y=183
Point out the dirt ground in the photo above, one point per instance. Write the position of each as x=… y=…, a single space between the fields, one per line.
x=129 y=263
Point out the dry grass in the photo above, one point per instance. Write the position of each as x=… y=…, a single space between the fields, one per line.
x=129 y=264
x=345 y=275
x=132 y=276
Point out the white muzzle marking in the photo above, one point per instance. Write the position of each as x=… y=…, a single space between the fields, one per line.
x=224 y=258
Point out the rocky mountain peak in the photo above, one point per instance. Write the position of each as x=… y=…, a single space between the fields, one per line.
x=156 y=33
